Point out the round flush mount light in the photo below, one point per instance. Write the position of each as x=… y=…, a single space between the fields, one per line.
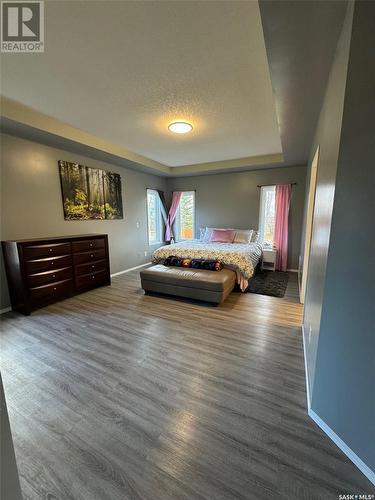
x=180 y=127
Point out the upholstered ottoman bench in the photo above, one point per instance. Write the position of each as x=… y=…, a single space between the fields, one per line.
x=199 y=284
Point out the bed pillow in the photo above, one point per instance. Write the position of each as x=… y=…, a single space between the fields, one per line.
x=243 y=235
x=222 y=236
x=202 y=233
x=254 y=237
x=208 y=264
x=172 y=260
x=207 y=234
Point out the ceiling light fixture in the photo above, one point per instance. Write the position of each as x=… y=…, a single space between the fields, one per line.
x=180 y=127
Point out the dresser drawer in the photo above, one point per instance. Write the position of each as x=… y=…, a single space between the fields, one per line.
x=51 y=292
x=92 y=279
x=39 y=265
x=85 y=257
x=91 y=267
x=81 y=246
x=51 y=249
x=49 y=277
x=44 y=270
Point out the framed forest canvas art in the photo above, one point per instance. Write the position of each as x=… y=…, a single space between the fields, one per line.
x=90 y=193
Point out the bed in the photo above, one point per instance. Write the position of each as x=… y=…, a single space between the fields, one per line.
x=239 y=257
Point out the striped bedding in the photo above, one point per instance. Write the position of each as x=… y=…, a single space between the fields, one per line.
x=242 y=258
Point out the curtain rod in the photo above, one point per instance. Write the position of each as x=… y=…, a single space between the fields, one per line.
x=185 y=191
x=266 y=185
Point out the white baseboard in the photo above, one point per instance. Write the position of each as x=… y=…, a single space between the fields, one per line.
x=292 y=270
x=343 y=447
x=7 y=309
x=328 y=431
x=130 y=269
x=308 y=396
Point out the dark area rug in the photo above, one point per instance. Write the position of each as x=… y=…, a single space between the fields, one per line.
x=271 y=283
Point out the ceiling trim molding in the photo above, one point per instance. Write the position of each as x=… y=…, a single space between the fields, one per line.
x=236 y=163
x=25 y=115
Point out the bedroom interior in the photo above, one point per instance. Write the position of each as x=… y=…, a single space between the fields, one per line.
x=186 y=290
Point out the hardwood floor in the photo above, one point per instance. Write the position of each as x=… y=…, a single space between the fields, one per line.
x=116 y=395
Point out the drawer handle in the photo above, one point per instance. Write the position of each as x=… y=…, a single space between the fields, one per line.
x=90 y=244
x=52 y=262
x=92 y=267
x=55 y=288
x=53 y=275
x=50 y=249
x=92 y=255
x=93 y=276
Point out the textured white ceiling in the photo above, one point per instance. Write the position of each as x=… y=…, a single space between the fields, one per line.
x=124 y=70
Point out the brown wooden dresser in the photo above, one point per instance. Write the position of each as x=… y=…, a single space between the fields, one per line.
x=42 y=271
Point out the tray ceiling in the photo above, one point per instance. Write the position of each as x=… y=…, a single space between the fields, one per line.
x=122 y=71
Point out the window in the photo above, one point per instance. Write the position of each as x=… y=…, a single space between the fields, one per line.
x=185 y=218
x=154 y=218
x=267 y=214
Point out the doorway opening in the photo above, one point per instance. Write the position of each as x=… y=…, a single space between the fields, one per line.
x=309 y=225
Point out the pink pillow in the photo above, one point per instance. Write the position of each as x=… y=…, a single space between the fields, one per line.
x=222 y=236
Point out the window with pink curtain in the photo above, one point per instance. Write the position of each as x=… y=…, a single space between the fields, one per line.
x=282 y=204
x=176 y=197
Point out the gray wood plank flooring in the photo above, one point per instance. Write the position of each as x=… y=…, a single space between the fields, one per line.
x=117 y=395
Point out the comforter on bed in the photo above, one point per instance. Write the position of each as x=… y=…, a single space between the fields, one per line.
x=240 y=257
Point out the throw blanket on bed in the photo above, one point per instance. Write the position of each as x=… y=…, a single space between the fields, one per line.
x=207 y=264
x=240 y=257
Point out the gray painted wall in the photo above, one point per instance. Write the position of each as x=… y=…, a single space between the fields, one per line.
x=328 y=138
x=341 y=284
x=344 y=387
x=9 y=481
x=31 y=204
x=232 y=200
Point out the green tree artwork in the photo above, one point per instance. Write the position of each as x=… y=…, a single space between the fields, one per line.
x=90 y=193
